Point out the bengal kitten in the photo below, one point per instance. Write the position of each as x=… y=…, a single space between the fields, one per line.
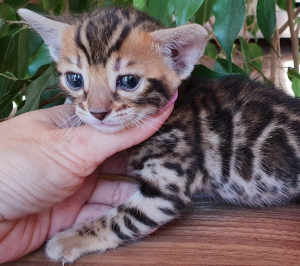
x=230 y=138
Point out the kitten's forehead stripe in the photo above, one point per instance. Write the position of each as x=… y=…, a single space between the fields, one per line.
x=125 y=32
x=78 y=63
x=67 y=60
x=80 y=44
x=117 y=64
x=106 y=30
x=131 y=63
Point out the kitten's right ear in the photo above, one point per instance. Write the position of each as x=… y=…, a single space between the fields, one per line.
x=183 y=46
x=50 y=30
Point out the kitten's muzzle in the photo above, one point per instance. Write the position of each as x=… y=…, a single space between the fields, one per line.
x=100 y=115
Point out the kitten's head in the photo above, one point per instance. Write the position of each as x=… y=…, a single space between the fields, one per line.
x=118 y=65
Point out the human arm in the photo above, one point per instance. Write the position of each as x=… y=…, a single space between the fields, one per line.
x=43 y=175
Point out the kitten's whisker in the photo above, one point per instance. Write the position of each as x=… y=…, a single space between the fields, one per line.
x=151 y=118
x=138 y=120
x=151 y=126
x=131 y=119
x=63 y=123
x=141 y=118
x=72 y=125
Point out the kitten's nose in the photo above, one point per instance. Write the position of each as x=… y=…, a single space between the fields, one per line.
x=100 y=115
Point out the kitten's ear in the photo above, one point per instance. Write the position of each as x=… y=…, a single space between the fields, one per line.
x=184 y=45
x=50 y=30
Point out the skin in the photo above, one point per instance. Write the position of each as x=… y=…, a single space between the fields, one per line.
x=48 y=175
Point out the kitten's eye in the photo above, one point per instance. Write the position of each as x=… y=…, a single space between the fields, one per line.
x=128 y=82
x=74 y=81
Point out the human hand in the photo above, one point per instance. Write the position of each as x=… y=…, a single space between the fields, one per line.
x=48 y=175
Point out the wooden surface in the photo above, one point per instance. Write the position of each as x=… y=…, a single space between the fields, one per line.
x=208 y=233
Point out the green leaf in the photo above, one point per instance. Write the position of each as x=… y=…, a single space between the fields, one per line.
x=204 y=12
x=266 y=17
x=35 y=42
x=40 y=58
x=246 y=56
x=7 y=111
x=35 y=8
x=77 y=6
x=256 y=55
x=35 y=89
x=5 y=83
x=230 y=16
x=254 y=29
x=161 y=10
x=48 y=95
x=202 y=71
x=6 y=100
x=211 y=50
x=19 y=99
x=140 y=4
x=58 y=6
x=7 y=12
x=184 y=10
x=292 y=72
x=282 y=4
x=16 y=3
x=8 y=55
x=221 y=66
x=23 y=53
x=296 y=86
x=8 y=29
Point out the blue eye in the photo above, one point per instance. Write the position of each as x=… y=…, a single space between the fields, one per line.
x=128 y=82
x=74 y=81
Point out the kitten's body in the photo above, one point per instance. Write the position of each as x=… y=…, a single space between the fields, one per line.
x=229 y=138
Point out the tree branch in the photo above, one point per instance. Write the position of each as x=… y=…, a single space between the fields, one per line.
x=294 y=37
x=16 y=22
x=275 y=55
x=285 y=25
x=12 y=78
x=42 y=104
x=67 y=11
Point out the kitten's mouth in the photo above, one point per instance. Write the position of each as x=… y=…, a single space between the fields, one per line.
x=110 y=128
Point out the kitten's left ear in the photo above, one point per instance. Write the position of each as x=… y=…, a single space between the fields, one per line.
x=183 y=46
x=50 y=30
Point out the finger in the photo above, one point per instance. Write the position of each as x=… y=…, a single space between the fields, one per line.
x=65 y=213
x=88 y=143
x=91 y=212
x=59 y=116
x=111 y=193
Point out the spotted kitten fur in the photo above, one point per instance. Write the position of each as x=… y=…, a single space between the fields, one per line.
x=229 y=138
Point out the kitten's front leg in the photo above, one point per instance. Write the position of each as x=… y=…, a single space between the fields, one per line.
x=145 y=210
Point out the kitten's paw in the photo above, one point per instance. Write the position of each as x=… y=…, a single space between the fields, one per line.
x=66 y=246
x=70 y=245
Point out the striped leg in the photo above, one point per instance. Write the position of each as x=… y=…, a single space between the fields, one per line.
x=145 y=210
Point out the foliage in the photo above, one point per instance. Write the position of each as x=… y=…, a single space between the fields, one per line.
x=28 y=77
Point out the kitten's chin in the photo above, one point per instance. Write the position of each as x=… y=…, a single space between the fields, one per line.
x=106 y=128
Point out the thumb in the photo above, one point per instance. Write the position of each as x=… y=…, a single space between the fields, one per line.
x=89 y=144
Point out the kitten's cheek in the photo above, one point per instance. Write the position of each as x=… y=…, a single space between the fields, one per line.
x=170 y=103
